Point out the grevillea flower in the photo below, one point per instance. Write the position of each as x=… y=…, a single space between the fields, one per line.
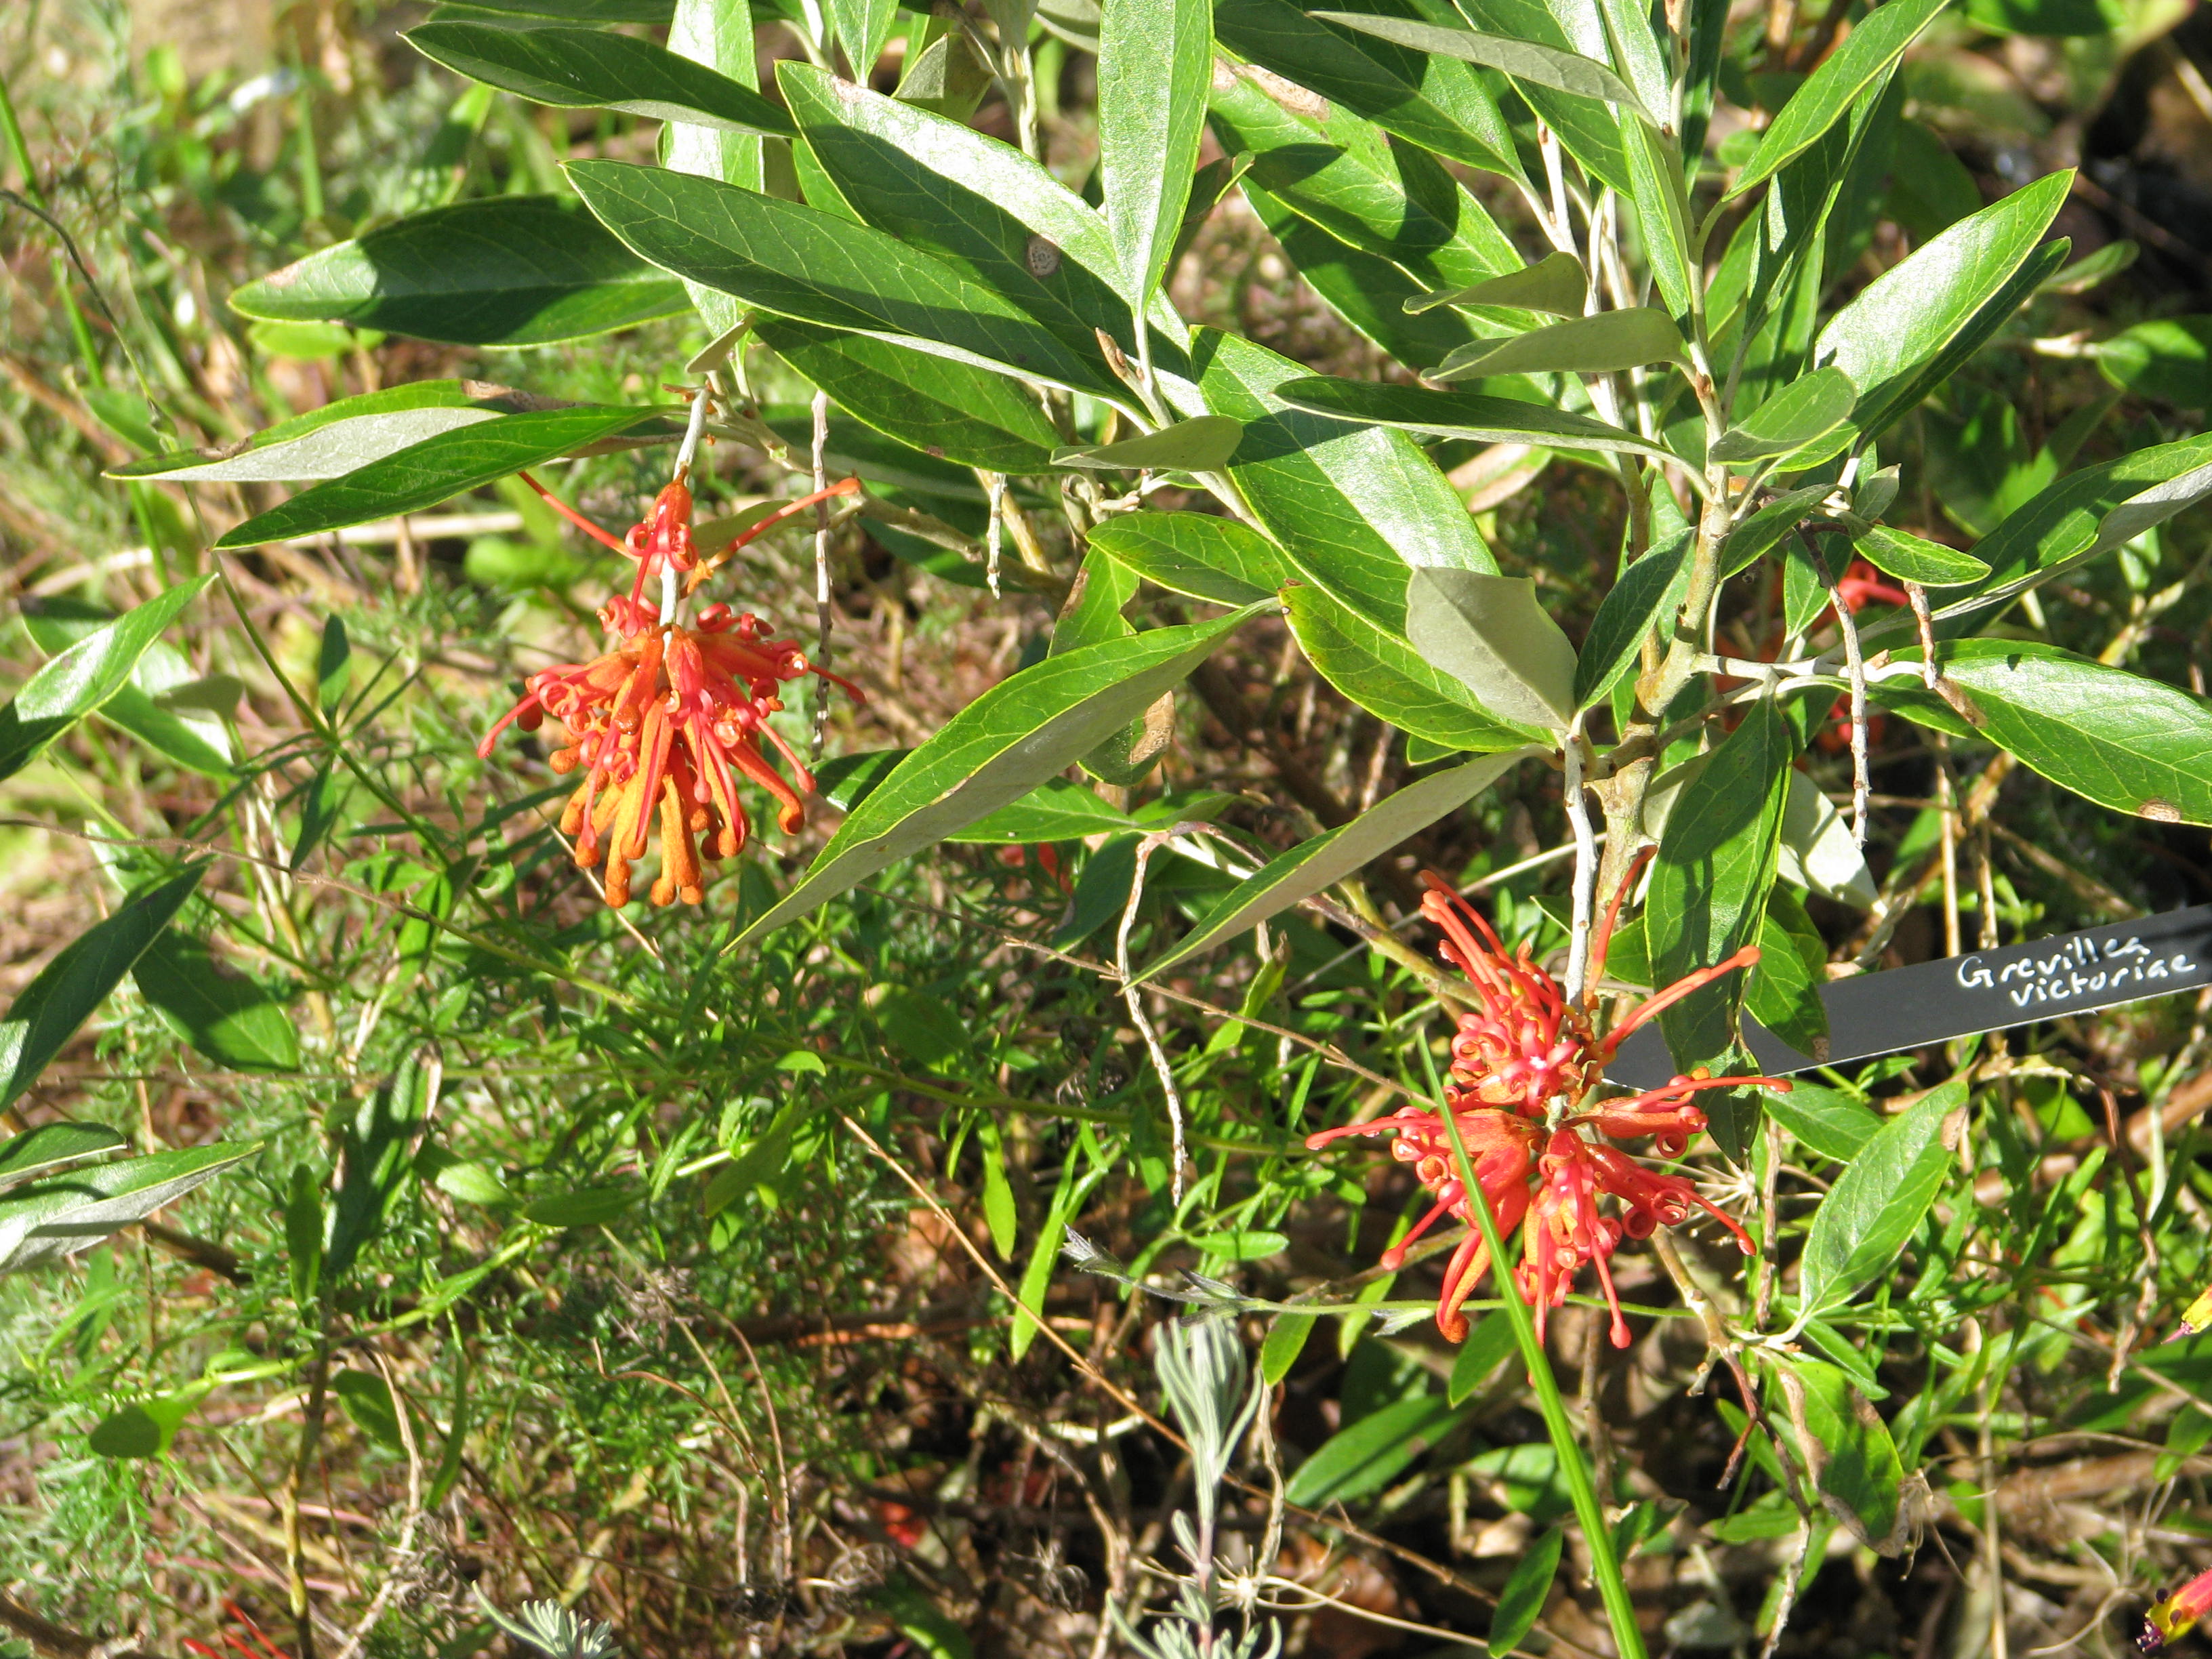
x=1522 y=1072
x=662 y=725
x=2175 y=1617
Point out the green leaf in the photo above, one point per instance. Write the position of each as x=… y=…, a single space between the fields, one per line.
x=47 y=1011
x=1201 y=444
x=1876 y=1204
x=373 y=1141
x=588 y=68
x=1521 y=1601
x=436 y=470
x=334 y=439
x=1467 y=415
x=1845 y=1445
x=1708 y=891
x=147 y=1428
x=1490 y=634
x=2169 y=358
x=1195 y=554
x=1819 y=852
x=49 y=1220
x=1647 y=596
x=513 y=270
x=1556 y=283
x=801 y=263
x=1488 y=1344
x=1872 y=48
x=1431 y=102
x=1913 y=559
x=590 y=1206
x=2058 y=527
x=1783 y=993
x=472 y=1181
x=1326 y=859
x=1763 y=530
x=1351 y=506
x=1389 y=679
x=996 y=216
x=1056 y=809
x=1825 y=1121
x=1524 y=60
x=1805 y=410
x=1285 y=1340
x=1367 y=1456
x=968 y=415
x=947 y=79
x=580 y=11
x=1597 y=344
x=1242 y=1244
x=2123 y=740
x=1343 y=175
x=998 y=1192
x=1030 y=726
x=1155 y=57
x=231 y=1018
x=86 y=675
x=303 y=1234
x=719 y=36
x=1904 y=333
x=759 y=1164
x=333 y=667
x=1662 y=212
x=53 y=1144
x=366 y=1398
x=862 y=26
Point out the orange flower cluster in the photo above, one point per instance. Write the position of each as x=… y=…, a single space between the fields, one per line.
x=662 y=725
x=1520 y=1072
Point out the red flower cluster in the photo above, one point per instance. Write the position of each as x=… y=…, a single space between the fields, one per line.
x=662 y=725
x=1520 y=1072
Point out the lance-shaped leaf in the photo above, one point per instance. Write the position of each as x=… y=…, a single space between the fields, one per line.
x=1524 y=60
x=1034 y=724
x=597 y=69
x=862 y=27
x=1432 y=102
x=1342 y=174
x=53 y=1144
x=436 y=470
x=1196 y=554
x=968 y=415
x=1351 y=506
x=231 y=1018
x=1805 y=410
x=2124 y=740
x=1760 y=532
x=2169 y=357
x=1556 y=283
x=1490 y=634
x=173 y=710
x=1309 y=866
x=2063 y=525
x=1468 y=414
x=1597 y=344
x=1847 y=1447
x=815 y=267
x=1708 y=892
x=1372 y=1452
x=1819 y=852
x=1645 y=598
x=1906 y=329
x=1201 y=444
x=47 y=1011
x=994 y=214
x=330 y=441
x=719 y=37
x=1876 y=1204
x=1528 y=1587
x=376 y=1138
x=1155 y=57
x=1877 y=41
x=1391 y=680
x=1056 y=809
x=581 y=11
x=1587 y=129
x=50 y=1220
x=515 y=271
x=85 y=676
x=1916 y=559
x=1662 y=212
